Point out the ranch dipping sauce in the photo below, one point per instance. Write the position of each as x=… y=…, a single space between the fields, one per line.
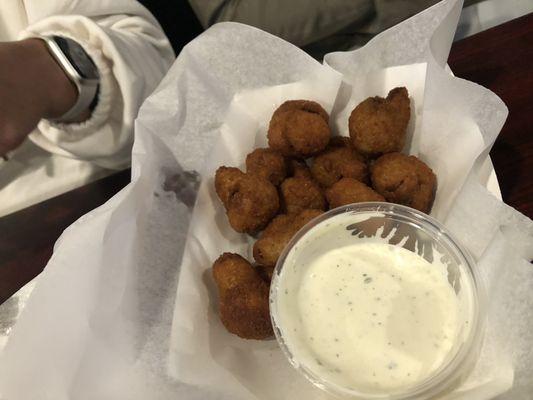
x=365 y=315
x=373 y=316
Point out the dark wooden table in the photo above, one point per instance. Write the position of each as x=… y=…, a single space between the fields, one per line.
x=28 y=236
x=500 y=59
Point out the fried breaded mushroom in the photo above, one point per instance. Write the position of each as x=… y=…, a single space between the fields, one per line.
x=266 y=272
x=299 y=169
x=348 y=191
x=340 y=141
x=299 y=128
x=267 y=164
x=226 y=183
x=250 y=201
x=339 y=161
x=379 y=125
x=298 y=194
x=243 y=294
x=405 y=180
x=278 y=233
x=231 y=270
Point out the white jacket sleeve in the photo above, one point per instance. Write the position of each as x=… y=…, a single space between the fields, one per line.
x=132 y=55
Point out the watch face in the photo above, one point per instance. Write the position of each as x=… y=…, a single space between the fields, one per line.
x=78 y=57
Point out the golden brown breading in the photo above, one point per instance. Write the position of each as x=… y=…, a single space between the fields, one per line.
x=245 y=311
x=250 y=201
x=405 y=180
x=226 y=183
x=231 y=270
x=348 y=191
x=298 y=194
x=299 y=169
x=267 y=164
x=339 y=160
x=299 y=128
x=278 y=233
x=340 y=141
x=266 y=272
x=244 y=305
x=378 y=125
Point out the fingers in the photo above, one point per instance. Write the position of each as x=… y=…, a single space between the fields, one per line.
x=8 y=143
x=14 y=128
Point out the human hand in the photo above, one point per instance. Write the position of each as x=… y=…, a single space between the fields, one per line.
x=32 y=86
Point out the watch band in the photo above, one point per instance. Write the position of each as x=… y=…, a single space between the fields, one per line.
x=87 y=87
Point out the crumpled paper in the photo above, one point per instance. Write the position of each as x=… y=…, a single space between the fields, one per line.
x=126 y=308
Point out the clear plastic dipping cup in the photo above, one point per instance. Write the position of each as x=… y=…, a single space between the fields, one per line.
x=401 y=229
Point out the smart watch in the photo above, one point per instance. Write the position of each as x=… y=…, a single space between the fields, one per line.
x=79 y=68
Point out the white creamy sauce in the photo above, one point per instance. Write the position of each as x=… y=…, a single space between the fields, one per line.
x=371 y=317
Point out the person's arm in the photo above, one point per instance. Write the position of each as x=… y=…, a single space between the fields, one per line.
x=300 y=22
x=25 y=97
x=132 y=54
